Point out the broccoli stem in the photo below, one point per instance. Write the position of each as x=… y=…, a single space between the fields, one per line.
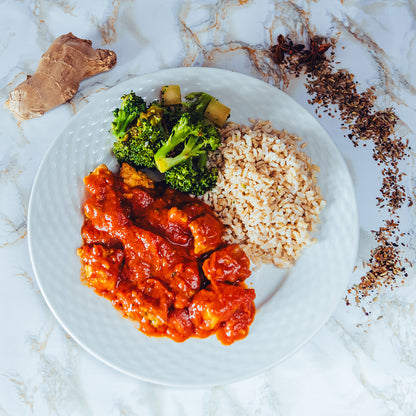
x=198 y=101
x=171 y=143
x=183 y=129
x=122 y=125
x=203 y=103
x=202 y=161
x=190 y=149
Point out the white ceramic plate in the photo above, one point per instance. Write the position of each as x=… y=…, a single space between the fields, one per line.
x=292 y=305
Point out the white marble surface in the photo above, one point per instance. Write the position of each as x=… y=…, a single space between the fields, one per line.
x=357 y=364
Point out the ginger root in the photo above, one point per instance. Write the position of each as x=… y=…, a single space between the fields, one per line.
x=62 y=67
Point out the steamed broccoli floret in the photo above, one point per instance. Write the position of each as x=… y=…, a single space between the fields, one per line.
x=189 y=178
x=197 y=102
x=190 y=137
x=139 y=145
x=130 y=108
x=135 y=150
x=175 y=139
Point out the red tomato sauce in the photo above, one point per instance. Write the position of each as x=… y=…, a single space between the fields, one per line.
x=159 y=257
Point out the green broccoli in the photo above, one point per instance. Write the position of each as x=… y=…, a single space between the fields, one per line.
x=187 y=177
x=173 y=139
x=190 y=137
x=131 y=107
x=201 y=103
x=197 y=102
x=139 y=145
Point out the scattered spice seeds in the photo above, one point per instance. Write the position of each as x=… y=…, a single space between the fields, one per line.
x=337 y=87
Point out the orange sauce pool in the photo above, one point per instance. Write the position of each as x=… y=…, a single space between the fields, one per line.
x=159 y=257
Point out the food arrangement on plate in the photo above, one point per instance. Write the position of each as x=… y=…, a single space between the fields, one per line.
x=291 y=302
x=173 y=254
x=173 y=263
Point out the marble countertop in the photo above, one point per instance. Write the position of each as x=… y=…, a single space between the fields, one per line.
x=362 y=361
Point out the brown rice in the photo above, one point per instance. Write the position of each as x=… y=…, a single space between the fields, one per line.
x=267 y=194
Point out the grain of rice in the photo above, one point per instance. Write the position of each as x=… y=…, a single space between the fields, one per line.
x=267 y=194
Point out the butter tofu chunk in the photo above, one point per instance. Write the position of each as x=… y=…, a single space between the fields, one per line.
x=135 y=178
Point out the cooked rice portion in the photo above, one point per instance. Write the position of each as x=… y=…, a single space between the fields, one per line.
x=267 y=194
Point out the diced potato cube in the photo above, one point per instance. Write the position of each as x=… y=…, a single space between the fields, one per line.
x=170 y=95
x=217 y=112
